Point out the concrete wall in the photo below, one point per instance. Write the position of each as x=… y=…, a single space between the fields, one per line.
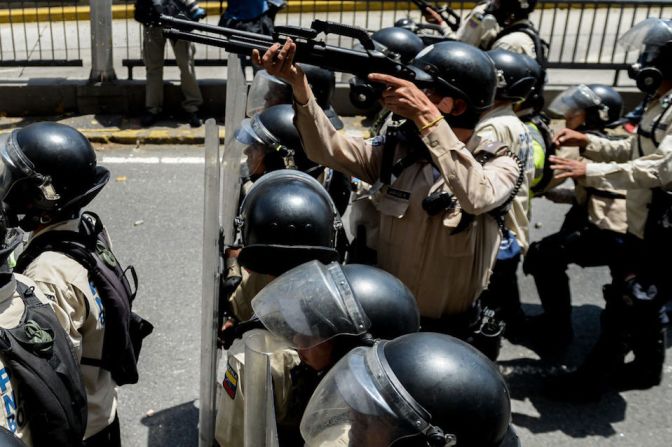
x=40 y=97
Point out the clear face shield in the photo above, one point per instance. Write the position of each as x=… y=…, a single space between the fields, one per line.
x=267 y=91
x=652 y=31
x=573 y=102
x=257 y=141
x=361 y=403
x=16 y=168
x=309 y=305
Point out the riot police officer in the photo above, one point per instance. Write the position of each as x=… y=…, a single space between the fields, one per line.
x=593 y=231
x=632 y=316
x=286 y=219
x=434 y=196
x=322 y=311
x=50 y=174
x=417 y=390
x=42 y=389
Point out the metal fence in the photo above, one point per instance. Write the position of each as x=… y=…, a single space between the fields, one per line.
x=581 y=33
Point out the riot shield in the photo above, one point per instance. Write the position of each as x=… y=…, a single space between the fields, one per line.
x=221 y=192
x=260 y=424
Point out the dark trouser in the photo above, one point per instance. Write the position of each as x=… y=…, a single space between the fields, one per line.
x=466 y=327
x=502 y=294
x=110 y=436
x=578 y=242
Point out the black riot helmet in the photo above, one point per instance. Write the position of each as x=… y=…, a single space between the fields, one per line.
x=48 y=171
x=461 y=71
x=601 y=104
x=286 y=219
x=653 y=39
x=272 y=132
x=406 y=23
x=323 y=84
x=508 y=11
x=420 y=389
x=7 y=439
x=398 y=42
x=335 y=300
x=515 y=77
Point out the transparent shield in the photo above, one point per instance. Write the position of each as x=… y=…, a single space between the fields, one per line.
x=266 y=91
x=221 y=192
x=260 y=424
x=310 y=304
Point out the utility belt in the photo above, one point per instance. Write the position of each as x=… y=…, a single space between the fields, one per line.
x=476 y=321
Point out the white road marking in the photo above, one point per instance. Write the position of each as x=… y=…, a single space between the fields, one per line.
x=153 y=160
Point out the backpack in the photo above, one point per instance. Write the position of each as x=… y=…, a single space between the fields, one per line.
x=124 y=330
x=39 y=355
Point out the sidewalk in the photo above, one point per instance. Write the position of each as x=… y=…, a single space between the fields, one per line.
x=117 y=129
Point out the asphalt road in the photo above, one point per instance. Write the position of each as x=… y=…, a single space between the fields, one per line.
x=153 y=208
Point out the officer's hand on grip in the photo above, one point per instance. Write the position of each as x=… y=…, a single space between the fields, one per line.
x=279 y=61
x=405 y=99
x=569 y=137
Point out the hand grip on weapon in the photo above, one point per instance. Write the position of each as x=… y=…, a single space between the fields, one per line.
x=432 y=16
x=278 y=61
x=405 y=99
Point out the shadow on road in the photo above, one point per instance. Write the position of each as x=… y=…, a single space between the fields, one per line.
x=173 y=426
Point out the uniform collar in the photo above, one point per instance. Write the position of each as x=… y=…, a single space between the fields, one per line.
x=64 y=225
x=500 y=110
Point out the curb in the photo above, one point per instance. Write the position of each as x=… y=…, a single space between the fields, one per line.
x=67 y=13
x=149 y=136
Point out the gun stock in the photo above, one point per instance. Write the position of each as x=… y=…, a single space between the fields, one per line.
x=309 y=50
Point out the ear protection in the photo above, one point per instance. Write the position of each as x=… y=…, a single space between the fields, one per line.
x=648 y=79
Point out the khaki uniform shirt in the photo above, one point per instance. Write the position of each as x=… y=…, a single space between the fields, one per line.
x=501 y=124
x=607 y=213
x=618 y=168
x=229 y=431
x=80 y=311
x=445 y=271
x=13 y=416
x=516 y=42
x=241 y=298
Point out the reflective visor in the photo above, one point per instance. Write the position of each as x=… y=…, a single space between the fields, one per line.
x=309 y=305
x=652 y=31
x=573 y=100
x=360 y=403
x=266 y=91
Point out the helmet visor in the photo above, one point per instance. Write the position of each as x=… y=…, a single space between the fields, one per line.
x=267 y=91
x=574 y=100
x=357 y=403
x=310 y=304
x=652 y=31
x=15 y=168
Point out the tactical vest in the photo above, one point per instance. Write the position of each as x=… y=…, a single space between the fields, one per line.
x=403 y=132
x=39 y=356
x=124 y=330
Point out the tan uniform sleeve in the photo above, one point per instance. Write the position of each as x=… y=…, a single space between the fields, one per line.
x=69 y=303
x=606 y=150
x=517 y=42
x=650 y=171
x=478 y=188
x=325 y=145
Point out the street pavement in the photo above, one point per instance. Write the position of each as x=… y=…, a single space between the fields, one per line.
x=153 y=208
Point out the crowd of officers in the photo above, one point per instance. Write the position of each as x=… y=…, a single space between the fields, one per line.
x=439 y=210
x=389 y=338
